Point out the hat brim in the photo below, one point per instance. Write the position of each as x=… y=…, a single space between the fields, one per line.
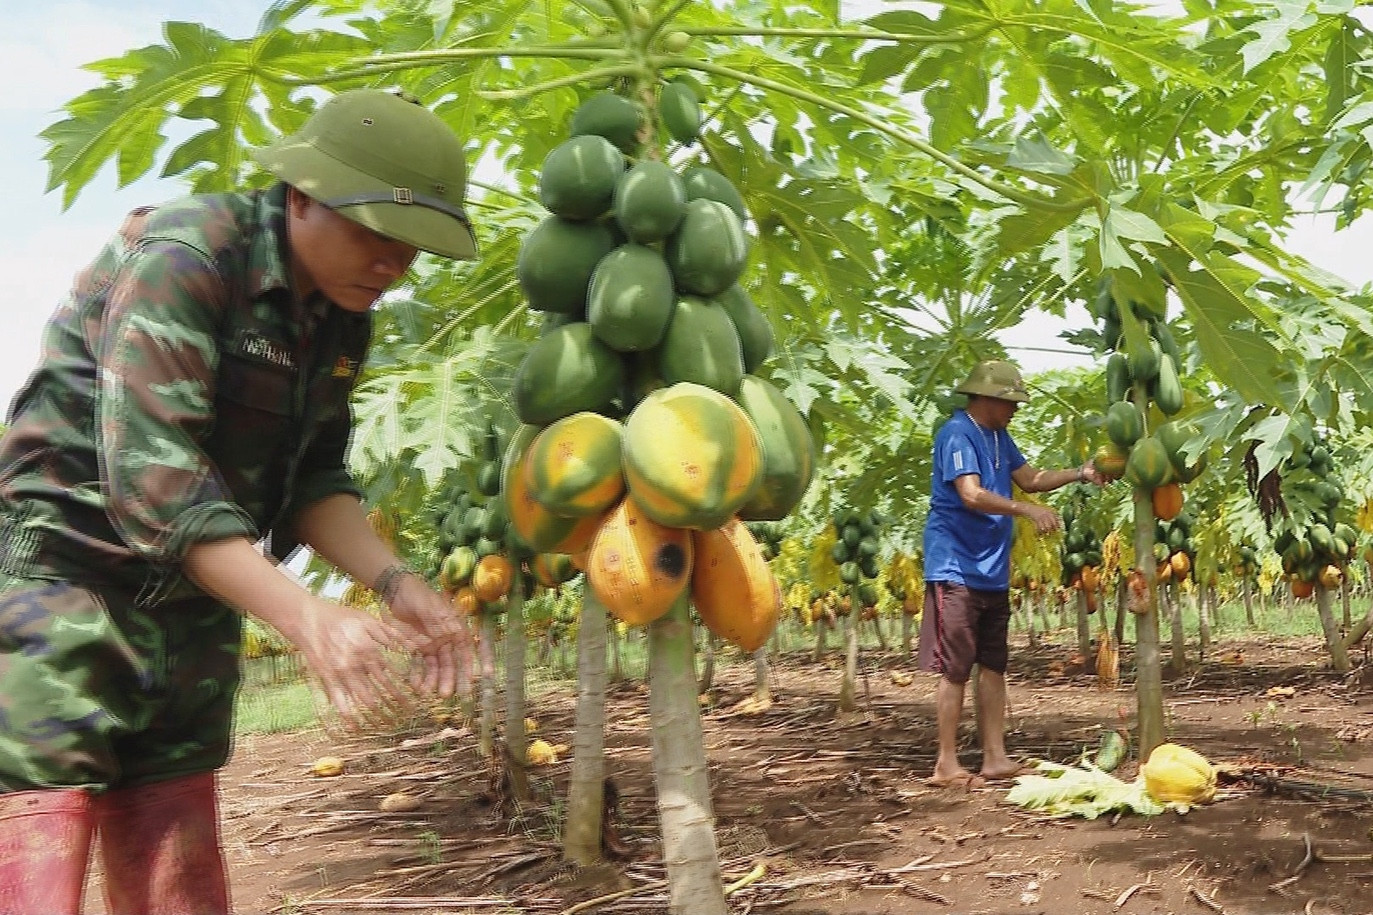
x=324 y=178
x=998 y=392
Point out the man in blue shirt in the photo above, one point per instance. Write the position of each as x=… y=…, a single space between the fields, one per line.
x=968 y=562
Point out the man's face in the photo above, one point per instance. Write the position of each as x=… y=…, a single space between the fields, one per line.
x=348 y=263
x=1002 y=411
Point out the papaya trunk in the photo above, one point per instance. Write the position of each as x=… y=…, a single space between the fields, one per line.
x=821 y=627
x=1178 y=634
x=1344 y=600
x=1148 y=672
x=1121 y=592
x=847 y=687
x=1203 y=626
x=679 y=768
x=1084 y=625
x=1325 y=605
x=486 y=731
x=881 y=636
x=616 y=646
x=586 y=780
x=1042 y=602
x=1247 y=593
x=516 y=740
x=762 y=691
x=906 y=647
x=707 y=664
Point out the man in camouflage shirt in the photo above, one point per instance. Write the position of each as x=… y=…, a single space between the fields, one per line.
x=192 y=401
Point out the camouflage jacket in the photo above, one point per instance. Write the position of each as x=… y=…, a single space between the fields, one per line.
x=183 y=395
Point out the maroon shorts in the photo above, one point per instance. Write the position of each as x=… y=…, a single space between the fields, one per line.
x=961 y=627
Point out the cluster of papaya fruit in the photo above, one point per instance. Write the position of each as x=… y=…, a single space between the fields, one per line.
x=473 y=534
x=647 y=441
x=770 y=537
x=1317 y=549
x=1248 y=561
x=856 y=548
x=1174 y=552
x=1082 y=549
x=1155 y=460
x=904 y=582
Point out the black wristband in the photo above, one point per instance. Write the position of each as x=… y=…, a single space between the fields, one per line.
x=389 y=580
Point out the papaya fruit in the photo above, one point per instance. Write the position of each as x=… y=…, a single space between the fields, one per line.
x=1124 y=424
x=556 y=262
x=552 y=569
x=649 y=201
x=492 y=577
x=573 y=465
x=535 y=526
x=636 y=566
x=788 y=452
x=701 y=346
x=692 y=456
x=1117 y=377
x=466 y=601
x=1109 y=460
x=1148 y=466
x=756 y=337
x=1143 y=361
x=566 y=372
x=609 y=115
x=706 y=183
x=708 y=251
x=680 y=111
x=1167 y=501
x=732 y=587
x=578 y=177
x=1167 y=387
x=629 y=303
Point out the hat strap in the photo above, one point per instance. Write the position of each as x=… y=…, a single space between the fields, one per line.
x=405 y=197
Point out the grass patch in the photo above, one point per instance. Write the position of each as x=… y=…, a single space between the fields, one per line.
x=274 y=708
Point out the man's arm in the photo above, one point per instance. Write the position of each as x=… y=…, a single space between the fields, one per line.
x=1032 y=479
x=978 y=499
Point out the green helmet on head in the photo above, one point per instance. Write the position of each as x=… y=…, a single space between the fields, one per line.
x=384 y=162
x=995 y=378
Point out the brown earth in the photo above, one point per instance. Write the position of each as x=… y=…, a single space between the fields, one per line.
x=835 y=807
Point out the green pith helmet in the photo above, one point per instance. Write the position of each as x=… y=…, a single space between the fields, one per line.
x=385 y=163
x=995 y=379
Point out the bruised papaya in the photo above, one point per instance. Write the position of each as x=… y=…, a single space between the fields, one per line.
x=733 y=588
x=636 y=566
x=692 y=456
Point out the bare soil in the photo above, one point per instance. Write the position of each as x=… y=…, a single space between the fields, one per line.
x=835 y=807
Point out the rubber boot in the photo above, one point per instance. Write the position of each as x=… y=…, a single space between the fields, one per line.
x=160 y=845
x=45 y=844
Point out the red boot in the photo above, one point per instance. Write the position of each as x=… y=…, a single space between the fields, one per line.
x=160 y=844
x=45 y=843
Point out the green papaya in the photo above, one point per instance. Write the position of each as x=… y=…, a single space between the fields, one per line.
x=556 y=261
x=1167 y=387
x=631 y=297
x=708 y=251
x=702 y=182
x=579 y=175
x=788 y=453
x=680 y=110
x=755 y=331
x=1148 y=466
x=649 y=201
x=1144 y=361
x=611 y=116
x=568 y=371
x=1124 y=425
x=1117 y=377
x=701 y=346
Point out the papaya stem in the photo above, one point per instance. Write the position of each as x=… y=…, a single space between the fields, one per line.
x=624 y=11
x=661 y=19
x=858 y=34
x=570 y=80
x=387 y=63
x=1011 y=193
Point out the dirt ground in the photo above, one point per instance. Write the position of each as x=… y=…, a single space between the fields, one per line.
x=835 y=808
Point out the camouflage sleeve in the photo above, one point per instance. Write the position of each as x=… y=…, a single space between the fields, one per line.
x=323 y=471
x=157 y=364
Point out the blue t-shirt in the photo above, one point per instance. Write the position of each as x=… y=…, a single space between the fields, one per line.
x=961 y=546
